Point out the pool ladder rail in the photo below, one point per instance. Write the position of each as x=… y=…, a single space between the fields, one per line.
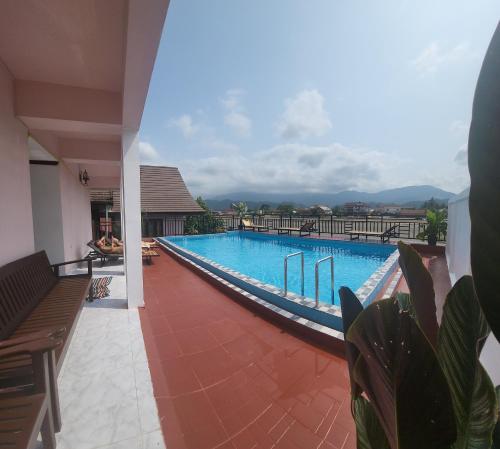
x=289 y=256
x=316 y=278
x=316 y=274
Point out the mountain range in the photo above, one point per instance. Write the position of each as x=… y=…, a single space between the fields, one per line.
x=411 y=196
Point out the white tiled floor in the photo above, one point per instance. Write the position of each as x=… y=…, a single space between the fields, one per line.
x=105 y=386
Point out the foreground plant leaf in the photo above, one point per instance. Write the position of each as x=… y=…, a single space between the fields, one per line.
x=399 y=372
x=351 y=307
x=461 y=336
x=484 y=200
x=496 y=433
x=369 y=432
x=421 y=289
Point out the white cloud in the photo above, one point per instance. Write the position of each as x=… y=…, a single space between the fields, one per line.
x=221 y=145
x=236 y=117
x=434 y=57
x=293 y=168
x=185 y=124
x=239 y=122
x=459 y=128
x=461 y=158
x=148 y=153
x=304 y=116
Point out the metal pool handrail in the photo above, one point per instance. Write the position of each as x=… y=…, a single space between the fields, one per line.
x=316 y=276
x=301 y=253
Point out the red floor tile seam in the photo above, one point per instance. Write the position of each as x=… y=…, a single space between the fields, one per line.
x=225 y=378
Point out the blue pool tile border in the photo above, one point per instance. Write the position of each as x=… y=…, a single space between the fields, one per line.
x=296 y=307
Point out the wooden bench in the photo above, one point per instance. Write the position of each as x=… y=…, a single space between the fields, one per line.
x=383 y=236
x=26 y=411
x=305 y=229
x=37 y=302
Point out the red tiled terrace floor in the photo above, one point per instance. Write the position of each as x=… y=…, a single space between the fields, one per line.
x=226 y=378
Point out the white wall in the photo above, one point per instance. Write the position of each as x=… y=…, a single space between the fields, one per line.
x=16 y=224
x=76 y=214
x=47 y=213
x=458 y=257
x=458 y=237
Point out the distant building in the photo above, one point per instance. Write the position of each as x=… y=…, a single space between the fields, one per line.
x=389 y=209
x=164 y=199
x=319 y=209
x=407 y=212
x=356 y=208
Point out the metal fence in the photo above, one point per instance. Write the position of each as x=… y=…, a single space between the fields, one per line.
x=202 y=224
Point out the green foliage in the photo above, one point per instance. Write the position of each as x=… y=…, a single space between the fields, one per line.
x=496 y=433
x=240 y=208
x=286 y=208
x=461 y=336
x=434 y=204
x=399 y=372
x=424 y=397
x=484 y=200
x=421 y=290
x=206 y=223
x=265 y=208
x=370 y=434
x=436 y=227
x=201 y=202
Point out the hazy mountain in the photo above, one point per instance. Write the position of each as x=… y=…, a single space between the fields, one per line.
x=402 y=195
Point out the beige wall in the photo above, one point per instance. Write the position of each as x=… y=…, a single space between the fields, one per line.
x=75 y=207
x=16 y=223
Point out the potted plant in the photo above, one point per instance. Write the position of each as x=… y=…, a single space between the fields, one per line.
x=241 y=209
x=436 y=225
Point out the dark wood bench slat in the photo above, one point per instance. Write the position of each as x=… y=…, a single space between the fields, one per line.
x=33 y=298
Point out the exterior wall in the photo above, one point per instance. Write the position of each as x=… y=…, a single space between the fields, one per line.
x=458 y=256
x=47 y=213
x=76 y=214
x=16 y=223
x=458 y=237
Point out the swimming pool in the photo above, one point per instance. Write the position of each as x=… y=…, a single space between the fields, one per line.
x=261 y=256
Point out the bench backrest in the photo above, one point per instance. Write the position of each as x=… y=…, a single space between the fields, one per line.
x=23 y=284
x=391 y=231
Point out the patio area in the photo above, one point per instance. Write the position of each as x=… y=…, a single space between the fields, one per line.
x=224 y=377
x=105 y=388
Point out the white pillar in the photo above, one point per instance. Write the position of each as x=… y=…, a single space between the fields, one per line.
x=131 y=218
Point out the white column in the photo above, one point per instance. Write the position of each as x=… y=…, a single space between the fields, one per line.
x=131 y=218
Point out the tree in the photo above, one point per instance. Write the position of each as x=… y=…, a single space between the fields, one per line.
x=286 y=208
x=264 y=208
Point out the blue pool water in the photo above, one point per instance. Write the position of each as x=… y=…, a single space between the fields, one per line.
x=260 y=256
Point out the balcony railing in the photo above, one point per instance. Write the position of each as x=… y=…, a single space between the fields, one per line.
x=325 y=225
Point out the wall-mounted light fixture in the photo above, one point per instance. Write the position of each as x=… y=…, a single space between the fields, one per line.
x=84 y=177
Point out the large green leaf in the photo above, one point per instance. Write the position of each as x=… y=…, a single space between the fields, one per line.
x=400 y=374
x=496 y=433
x=462 y=333
x=351 y=307
x=369 y=432
x=421 y=289
x=484 y=200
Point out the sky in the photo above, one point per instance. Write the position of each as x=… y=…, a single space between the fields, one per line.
x=316 y=96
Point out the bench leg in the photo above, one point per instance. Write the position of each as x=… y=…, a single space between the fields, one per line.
x=47 y=430
x=54 y=393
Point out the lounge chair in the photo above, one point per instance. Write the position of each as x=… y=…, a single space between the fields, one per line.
x=147 y=249
x=385 y=236
x=305 y=229
x=99 y=253
x=249 y=224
